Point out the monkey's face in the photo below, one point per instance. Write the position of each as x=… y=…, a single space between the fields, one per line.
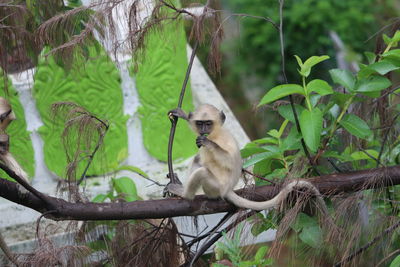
x=204 y=127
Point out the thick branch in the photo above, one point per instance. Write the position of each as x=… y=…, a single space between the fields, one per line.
x=60 y=209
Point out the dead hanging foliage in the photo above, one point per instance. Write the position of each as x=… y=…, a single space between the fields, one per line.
x=147 y=243
x=351 y=235
x=48 y=254
x=82 y=137
x=17 y=38
x=68 y=32
x=154 y=242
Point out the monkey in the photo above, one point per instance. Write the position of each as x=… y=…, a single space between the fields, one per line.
x=6 y=117
x=218 y=165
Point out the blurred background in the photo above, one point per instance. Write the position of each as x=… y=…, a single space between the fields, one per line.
x=251 y=59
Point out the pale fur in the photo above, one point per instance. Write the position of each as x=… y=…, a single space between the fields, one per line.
x=219 y=169
x=11 y=163
x=7 y=157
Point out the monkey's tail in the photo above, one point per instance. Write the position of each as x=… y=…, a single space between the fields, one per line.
x=11 y=163
x=272 y=203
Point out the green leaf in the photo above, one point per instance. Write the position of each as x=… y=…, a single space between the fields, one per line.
x=334 y=154
x=303 y=220
x=260 y=157
x=277 y=174
x=126 y=188
x=311 y=127
x=286 y=111
x=382 y=67
x=392 y=54
x=274 y=133
x=361 y=155
x=372 y=84
x=395 y=262
x=312 y=236
x=265 y=140
x=292 y=141
x=262 y=168
x=314 y=99
x=247 y=151
x=343 y=77
x=356 y=126
x=246 y=264
x=282 y=128
x=299 y=61
x=370 y=57
x=281 y=91
x=320 y=87
x=340 y=99
x=311 y=62
x=396 y=38
x=132 y=169
x=100 y=198
x=386 y=39
x=260 y=254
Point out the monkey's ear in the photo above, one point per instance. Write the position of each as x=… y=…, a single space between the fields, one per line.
x=223 y=117
x=190 y=115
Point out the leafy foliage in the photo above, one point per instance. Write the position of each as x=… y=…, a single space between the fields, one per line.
x=327 y=120
x=352 y=20
x=231 y=248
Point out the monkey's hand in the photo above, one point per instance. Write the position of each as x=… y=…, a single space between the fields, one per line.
x=201 y=140
x=177 y=113
x=176 y=189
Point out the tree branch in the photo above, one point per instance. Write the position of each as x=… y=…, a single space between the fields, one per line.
x=328 y=185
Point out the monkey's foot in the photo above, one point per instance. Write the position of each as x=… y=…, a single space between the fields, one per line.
x=174 y=189
x=175 y=179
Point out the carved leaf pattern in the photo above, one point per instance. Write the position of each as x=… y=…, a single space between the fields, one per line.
x=95 y=85
x=159 y=80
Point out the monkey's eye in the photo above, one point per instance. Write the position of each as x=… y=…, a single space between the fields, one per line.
x=199 y=123
x=209 y=123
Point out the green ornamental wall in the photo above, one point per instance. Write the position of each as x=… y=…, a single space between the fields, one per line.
x=159 y=80
x=95 y=85
x=20 y=141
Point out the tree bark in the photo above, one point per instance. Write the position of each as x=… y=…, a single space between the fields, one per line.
x=59 y=209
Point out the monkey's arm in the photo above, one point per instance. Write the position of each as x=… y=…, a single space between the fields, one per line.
x=202 y=140
x=178 y=113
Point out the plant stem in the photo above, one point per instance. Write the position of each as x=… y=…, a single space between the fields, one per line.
x=306 y=94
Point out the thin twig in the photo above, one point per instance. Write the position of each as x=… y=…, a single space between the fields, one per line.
x=386 y=138
x=174 y=121
x=369 y=244
x=334 y=165
x=38 y=224
x=370 y=156
x=258 y=176
x=178 y=10
x=212 y=231
x=217 y=236
x=388 y=256
x=91 y=156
